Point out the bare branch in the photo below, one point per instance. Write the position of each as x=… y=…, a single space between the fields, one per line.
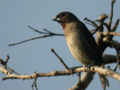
x=27 y=40
x=111 y=33
x=60 y=59
x=91 y=22
x=102 y=17
x=4 y=62
x=107 y=26
x=44 y=34
x=4 y=70
x=100 y=70
x=36 y=30
x=111 y=12
x=114 y=28
x=34 y=38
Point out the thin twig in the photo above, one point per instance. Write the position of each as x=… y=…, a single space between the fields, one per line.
x=45 y=31
x=4 y=68
x=60 y=59
x=34 y=38
x=111 y=12
x=7 y=58
x=44 y=34
x=24 y=41
x=114 y=28
x=4 y=62
x=91 y=22
x=36 y=30
x=111 y=33
x=107 y=26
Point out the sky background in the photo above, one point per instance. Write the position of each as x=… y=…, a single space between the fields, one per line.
x=35 y=56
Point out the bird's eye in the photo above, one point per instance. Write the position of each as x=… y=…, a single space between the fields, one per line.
x=62 y=15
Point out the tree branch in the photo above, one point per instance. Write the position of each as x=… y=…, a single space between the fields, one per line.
x=43 y=34
x=60 y=59
x=111 y=13
x=100 y=70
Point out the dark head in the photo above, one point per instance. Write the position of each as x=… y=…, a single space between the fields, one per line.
x=65 y=17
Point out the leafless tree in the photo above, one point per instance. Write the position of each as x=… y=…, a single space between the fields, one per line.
x=104 y=30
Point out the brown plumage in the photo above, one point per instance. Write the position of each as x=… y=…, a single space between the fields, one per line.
x=79 y=39
x=81 y=42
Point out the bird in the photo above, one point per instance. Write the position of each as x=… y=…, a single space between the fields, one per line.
x=80 y=41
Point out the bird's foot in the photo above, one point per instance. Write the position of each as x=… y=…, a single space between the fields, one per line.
x=88 y=66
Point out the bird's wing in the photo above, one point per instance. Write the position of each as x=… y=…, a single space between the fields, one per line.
x=92 y=48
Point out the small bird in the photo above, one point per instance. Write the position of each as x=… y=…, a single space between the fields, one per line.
x=81 y=42
x=79 y=39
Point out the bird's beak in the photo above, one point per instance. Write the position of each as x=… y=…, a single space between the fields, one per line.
x=56 y=19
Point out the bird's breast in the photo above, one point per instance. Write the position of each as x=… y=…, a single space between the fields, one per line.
x=76 y=43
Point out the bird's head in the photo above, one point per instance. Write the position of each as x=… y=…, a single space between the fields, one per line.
x=65 y=17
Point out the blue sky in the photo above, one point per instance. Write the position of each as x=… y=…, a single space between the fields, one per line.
x=35 y=56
